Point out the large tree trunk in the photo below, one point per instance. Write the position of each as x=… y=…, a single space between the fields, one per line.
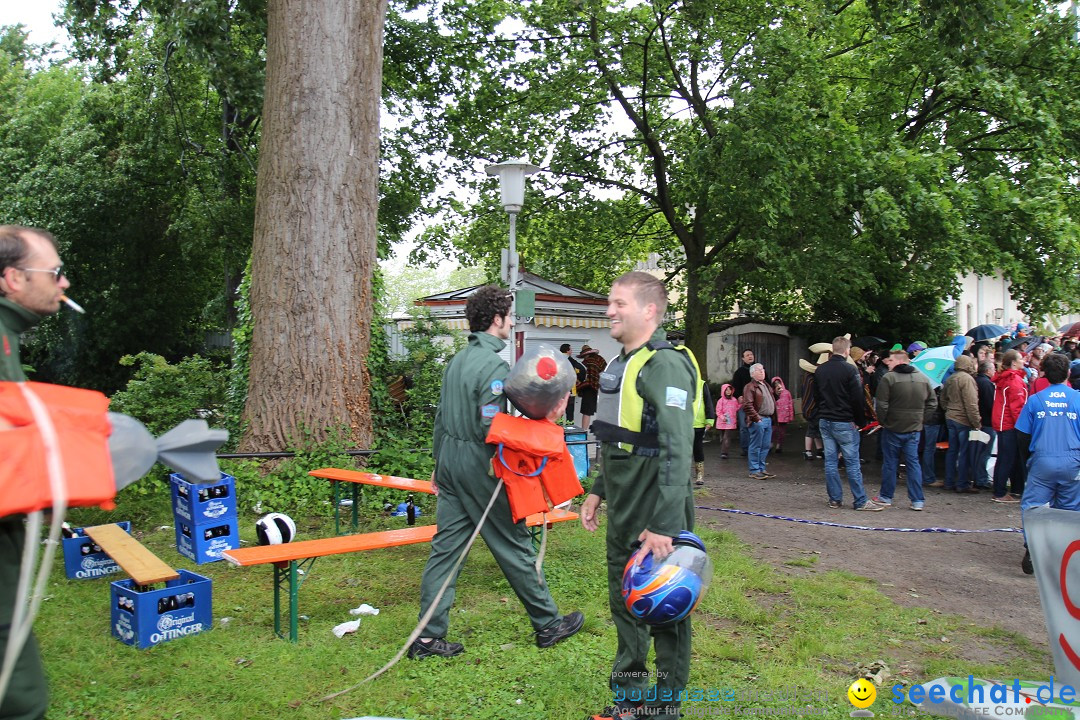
x=697 y=314
x=315 y=222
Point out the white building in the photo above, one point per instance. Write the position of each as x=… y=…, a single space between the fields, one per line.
x=988 y=299
x=562 y=314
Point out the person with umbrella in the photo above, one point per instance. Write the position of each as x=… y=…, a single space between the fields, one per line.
x=982 y=333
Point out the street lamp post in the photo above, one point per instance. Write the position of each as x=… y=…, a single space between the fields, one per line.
x=511 y=176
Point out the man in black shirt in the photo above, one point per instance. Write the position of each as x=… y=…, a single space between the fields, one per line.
x=739 y=381
x=841 y=404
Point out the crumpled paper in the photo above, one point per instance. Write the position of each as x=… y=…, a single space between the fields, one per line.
x=364 y=609
x=346 y=627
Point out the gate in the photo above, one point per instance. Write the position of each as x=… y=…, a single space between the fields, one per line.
x=771 y=350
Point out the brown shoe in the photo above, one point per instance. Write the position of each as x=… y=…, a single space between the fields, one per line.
x=935 y=484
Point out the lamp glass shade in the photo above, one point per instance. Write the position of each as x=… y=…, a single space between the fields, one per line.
x=511 y=176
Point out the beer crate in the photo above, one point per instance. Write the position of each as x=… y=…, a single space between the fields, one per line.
x=83 y=559
x=148 y=617
x=205 y=543
x=200 y=504
x=580 y=453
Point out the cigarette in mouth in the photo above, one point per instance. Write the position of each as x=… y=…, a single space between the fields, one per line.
x=72 y=304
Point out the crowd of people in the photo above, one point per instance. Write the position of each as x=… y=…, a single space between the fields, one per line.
x=1008 y=415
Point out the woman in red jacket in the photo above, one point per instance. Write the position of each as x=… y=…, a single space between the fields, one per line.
x=1010 y=394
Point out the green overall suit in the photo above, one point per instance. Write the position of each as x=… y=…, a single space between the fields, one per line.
x=27 y=695
x=472 y=393
x=647 y=487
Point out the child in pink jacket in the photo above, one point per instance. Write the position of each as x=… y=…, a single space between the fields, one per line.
x=785 y=413
x=726 y=408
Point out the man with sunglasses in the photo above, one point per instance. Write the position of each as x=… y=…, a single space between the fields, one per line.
x=32 y=284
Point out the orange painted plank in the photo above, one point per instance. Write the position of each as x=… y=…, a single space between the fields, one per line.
x=304 y=549
x=329 y=546
x=554 y=516
x=144 y=567
x=366 y=478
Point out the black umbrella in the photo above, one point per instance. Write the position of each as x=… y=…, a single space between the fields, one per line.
x=988 y=331
x=1027 y=342
x=866 y=342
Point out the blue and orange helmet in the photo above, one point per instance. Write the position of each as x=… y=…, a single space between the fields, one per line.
x=663 y=593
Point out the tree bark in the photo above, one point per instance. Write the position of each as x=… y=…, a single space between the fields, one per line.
x=697 y=313
x=316 y=201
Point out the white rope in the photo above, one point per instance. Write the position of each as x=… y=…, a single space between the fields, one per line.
x=543 y=549
x=27 y=604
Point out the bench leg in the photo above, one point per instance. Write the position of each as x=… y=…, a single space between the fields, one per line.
x=337 y=508
x=277 y=599
x=294 y=603
x=355 y=507
x=290 y=574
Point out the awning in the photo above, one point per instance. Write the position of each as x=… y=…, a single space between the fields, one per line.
x=570 y=322
x=452 y=323
x=561 y=321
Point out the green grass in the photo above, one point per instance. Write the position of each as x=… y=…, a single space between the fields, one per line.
x=758 y=630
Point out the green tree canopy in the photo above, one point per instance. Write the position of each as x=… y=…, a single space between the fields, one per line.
x=831 y=161
x=100 y=167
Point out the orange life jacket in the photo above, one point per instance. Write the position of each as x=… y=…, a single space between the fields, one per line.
x=534 y=463
x=83 y=430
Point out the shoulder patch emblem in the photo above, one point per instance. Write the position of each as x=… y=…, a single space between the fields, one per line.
x=496 y=387
x=489 y=411
x=676 y=397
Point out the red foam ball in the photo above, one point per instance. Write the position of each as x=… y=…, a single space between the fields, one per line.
x=546 y=368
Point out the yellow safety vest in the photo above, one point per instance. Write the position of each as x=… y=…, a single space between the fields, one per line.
x=637 y=431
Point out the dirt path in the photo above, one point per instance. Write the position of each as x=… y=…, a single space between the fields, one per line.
x=977 y=574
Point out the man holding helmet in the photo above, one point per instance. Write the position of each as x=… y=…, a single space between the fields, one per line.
x=645 y=423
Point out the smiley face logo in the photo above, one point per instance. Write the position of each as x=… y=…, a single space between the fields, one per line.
x=862 y=693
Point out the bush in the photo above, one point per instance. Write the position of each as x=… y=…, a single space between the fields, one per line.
x=284 y=485
x=162 y=396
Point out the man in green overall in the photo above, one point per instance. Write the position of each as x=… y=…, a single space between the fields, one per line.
x=31 y=285
x=645 y=422
x=472 y=394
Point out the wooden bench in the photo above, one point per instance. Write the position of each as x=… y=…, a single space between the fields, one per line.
x=290 y=558
x=358 y=478
x=144 y=567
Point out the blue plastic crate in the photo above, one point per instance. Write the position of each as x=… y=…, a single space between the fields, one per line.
x=203 y=503
x=580 y=453
x=83 y=559
x=205 y=543
x=144 y=619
